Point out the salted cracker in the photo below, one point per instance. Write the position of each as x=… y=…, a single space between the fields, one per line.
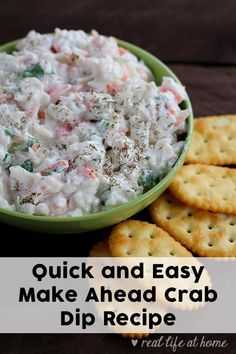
x=133 y=238
x=204 y=233
x=214 y=141
x=206 y=187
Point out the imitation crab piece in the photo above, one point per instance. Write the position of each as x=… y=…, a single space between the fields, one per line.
x=89 y=173
x=4 y=98
x=113 y=88
x=168 y=84
x=65 y=130
x=55 y=93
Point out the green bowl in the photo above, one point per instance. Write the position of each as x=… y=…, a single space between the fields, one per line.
x=63 y=225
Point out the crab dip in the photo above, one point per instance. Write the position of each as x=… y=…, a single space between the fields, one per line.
x=83 y=126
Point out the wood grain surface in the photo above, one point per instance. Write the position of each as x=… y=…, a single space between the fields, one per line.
x=197 y=39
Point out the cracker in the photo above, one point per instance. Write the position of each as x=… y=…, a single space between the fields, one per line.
x=101 y=249
x=133 y=238
x=203 y=233
x=214 y=141
x=206 y=187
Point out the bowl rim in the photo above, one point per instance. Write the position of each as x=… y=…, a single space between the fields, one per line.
x=143 y=55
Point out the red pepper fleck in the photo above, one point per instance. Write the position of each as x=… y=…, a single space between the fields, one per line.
x=68 y=126
x=41 y=115
x=55 y=49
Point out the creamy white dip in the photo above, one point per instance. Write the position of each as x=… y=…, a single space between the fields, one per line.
x=83 y=126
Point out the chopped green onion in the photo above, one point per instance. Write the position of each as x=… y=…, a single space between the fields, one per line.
x=104 y=125
x=35 y=70
x=147 y=180
x=27 y=144
x=9 y=132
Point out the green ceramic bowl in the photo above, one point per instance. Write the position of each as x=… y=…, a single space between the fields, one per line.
x=103 y=219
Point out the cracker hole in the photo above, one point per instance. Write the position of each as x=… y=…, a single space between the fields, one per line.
x=169 y=201
x=189 y=231
x=210 y=227
x=197 y=153
x=222 y=151
x=232 y=223
x=224 y=177
x=210 y=244
x=150 y=254
x=212 y=185
x=230 y=138
x=128 y=253
x=205 y=140
x=152 y=236
x=185 y=182
x=131 y=235
x=225 y=198
x=168 y=217
x=190 y=213
x=172 y=253
x=198 y=172
x=231 y=240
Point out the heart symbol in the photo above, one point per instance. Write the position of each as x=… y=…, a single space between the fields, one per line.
x=134 y=342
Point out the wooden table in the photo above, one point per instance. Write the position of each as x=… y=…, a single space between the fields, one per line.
x=197 y=40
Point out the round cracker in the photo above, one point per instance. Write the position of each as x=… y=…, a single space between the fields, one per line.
x=203 y=233
x=206 y=187
x=213 y=141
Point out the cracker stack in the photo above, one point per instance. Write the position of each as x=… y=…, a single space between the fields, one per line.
x=199 y=210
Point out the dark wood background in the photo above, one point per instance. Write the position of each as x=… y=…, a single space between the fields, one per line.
x=197 y=38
